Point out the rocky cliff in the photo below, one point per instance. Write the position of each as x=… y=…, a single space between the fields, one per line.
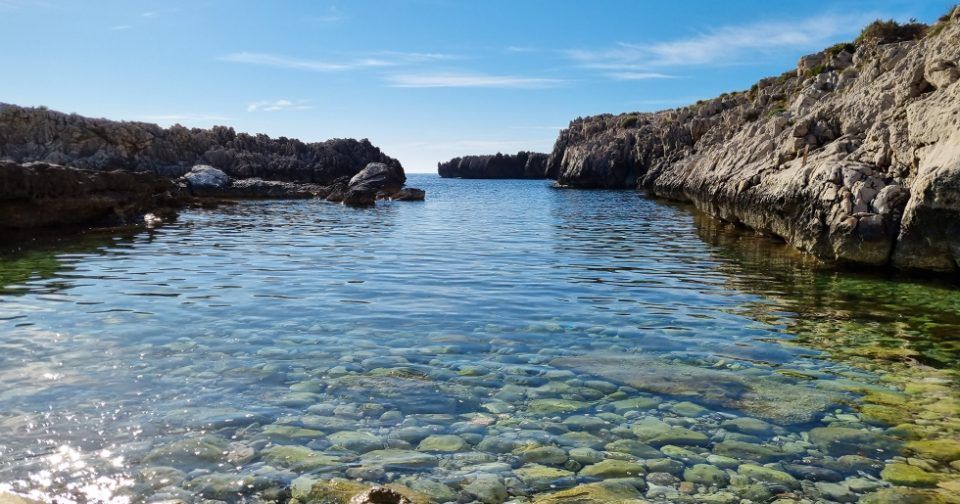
x=58 y=169
x=522 y=165
x=38 y=134
x=853 y=156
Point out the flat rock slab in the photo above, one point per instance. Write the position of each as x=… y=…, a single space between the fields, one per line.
x=770 y=399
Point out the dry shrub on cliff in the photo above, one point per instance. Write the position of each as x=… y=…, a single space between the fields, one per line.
x=887 y=32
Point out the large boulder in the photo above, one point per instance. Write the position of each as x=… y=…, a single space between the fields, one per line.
x=205 y=180
x=378 y=177
x=363 y=189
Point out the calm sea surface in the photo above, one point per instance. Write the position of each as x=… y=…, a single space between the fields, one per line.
x=496 y=341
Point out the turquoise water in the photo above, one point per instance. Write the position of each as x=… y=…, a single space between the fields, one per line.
x=502 y=332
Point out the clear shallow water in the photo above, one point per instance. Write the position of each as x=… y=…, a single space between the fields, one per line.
x=183 y=362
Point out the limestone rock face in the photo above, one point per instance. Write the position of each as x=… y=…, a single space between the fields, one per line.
x=853 y=157
x=38 y=134
x=522 y=165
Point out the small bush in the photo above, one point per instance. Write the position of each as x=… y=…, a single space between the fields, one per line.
x=888 y=32
x=779 y=107
x=630 y=121
x=836 y=49
x=942 y=23
x=817 y=70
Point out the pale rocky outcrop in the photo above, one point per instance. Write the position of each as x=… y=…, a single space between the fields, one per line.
x=853 y=156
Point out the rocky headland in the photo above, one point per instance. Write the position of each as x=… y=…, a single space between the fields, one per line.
x=64 y=169
x=522 y=165
x=853 y=156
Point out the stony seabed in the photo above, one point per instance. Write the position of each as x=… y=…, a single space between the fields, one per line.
x=550 y=348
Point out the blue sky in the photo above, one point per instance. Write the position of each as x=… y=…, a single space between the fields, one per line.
x=426 y=80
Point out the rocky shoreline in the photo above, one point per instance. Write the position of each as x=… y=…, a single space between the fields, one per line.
x=66 y=170
x=853 y=157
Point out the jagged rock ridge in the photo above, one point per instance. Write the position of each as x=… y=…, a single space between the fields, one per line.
x=522 y=165
x=854 y=156
x=38 y=134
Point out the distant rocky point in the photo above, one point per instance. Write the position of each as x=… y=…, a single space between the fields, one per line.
x=522 y=165
x=65 y=169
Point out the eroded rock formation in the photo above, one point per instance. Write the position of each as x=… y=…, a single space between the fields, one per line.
x=59 y=169
x=854 y=156
x=38 y=134
x=522 y=165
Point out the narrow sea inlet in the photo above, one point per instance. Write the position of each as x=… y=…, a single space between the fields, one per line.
x=503 y=340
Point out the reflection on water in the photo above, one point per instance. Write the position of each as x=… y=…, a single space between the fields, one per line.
x=500 y=339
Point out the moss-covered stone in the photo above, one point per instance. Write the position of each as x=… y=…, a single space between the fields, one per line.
x=541 y=477
x=900 y=495
x=941 y=450
x=444 y=443
x=706 y=474
x=606 y=492
x=641 y=403
x=547 y=455
x=612 y=468
x=908 y=475
x=549 y=407
x=341 y=491
x=768 y=475
x=658 y=433
x=298 y=458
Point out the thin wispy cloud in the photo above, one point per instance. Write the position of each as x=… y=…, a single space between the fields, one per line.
x=273 y=60
x=121 y=27
x=275 y=105
x=372 y=60
x=148 y=14
x=521 y=49
x=459 y=80
x=640 y=75
x=724 y=45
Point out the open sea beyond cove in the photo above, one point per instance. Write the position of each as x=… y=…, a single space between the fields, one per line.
x=501 y=340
